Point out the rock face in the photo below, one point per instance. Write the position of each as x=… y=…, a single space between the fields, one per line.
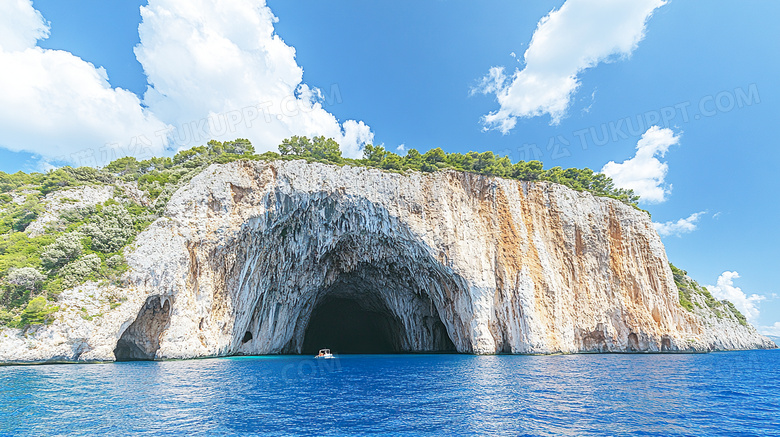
x=286 y=257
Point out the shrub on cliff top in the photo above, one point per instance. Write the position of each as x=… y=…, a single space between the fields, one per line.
x=487 y=163
x=319 y=148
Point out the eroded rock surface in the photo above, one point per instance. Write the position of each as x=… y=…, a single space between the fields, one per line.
x=250 y=257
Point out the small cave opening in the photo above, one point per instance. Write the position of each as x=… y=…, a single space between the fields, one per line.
x=247 y=337
x=633 y=342
x=141 y=340
x=344 y=326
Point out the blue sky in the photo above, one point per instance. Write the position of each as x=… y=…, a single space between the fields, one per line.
x=411 y=74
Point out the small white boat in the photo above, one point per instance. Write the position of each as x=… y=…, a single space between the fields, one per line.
x=324 y=353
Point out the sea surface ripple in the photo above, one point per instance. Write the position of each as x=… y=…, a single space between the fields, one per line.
x=718 y=394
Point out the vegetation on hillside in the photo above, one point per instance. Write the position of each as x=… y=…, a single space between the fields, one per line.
x=687 y=288
x=325 y=150
x=86 y=243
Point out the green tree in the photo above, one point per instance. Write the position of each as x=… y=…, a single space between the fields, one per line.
x=158 y=164
x=435 y=156
x=110 y=230
x=37 y=312
x=527 y=171
x=6 y=317
x=295 y=145
x=56 y=179
x=67 y=247
x=17 y=217
x=326 y=149
x=27 y=278
x=10 y=182
x=88 y=175
x=124 y=166
x=413 y=159
x=21 y=283
x=392 y=162
x=318 y=148
x=240 y=146
x=78 y=271
x=373 y=155
x=17 y=250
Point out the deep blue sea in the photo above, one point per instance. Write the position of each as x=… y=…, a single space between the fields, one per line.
x=734 y=393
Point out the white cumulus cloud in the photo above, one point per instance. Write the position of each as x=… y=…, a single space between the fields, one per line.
x=21 y=26
x=679 y=227
x=217 y=69
x=644 y=173
x=725 y=289
x=579 y=35
x=58 y=105
x=773 y=330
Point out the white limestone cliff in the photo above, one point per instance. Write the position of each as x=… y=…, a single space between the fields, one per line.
x=247 y=252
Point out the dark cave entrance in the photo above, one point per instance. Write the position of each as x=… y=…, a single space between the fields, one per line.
x=364 y=325
x=344 y=326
